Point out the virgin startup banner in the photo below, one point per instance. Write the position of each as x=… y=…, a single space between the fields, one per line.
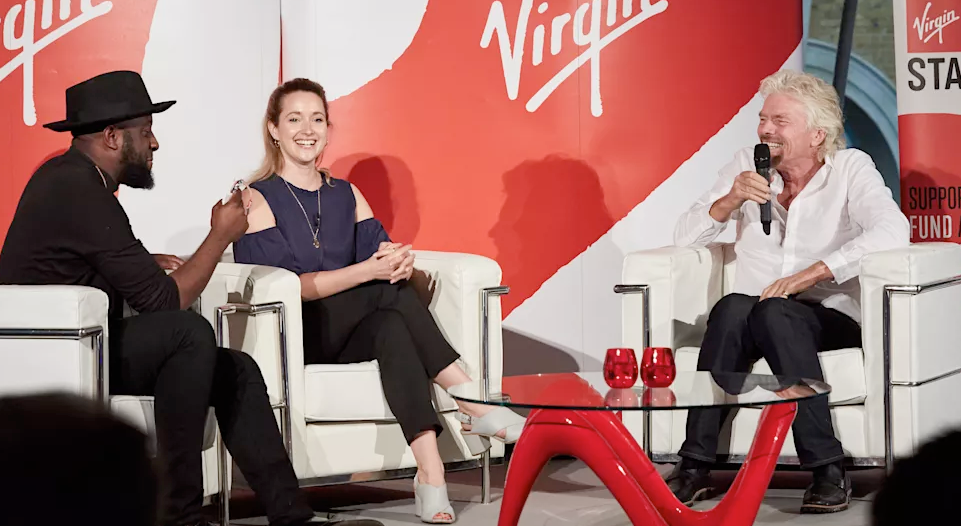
x=928 y=47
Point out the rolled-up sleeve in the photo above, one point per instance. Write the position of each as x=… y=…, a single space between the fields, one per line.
x=872 y=208
x=696 y=227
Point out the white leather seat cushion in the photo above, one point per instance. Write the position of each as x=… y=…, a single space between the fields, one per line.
x=352 y=392
x=138 y=411
x=843 y=371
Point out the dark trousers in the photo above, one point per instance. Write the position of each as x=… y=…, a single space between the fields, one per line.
x=173 y=356
x=788 y=334
x=388 y=323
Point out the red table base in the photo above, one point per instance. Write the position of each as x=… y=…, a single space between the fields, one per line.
x=601 y=441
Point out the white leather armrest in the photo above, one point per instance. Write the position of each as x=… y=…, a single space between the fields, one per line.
x=684 y=284
x=456 y=282
x=924 y=326
x=259 y=335
x=48 y=364
x=923 y=329
x=52 y=307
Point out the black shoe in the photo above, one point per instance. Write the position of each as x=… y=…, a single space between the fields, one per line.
x=690 y=481
x=830 y=492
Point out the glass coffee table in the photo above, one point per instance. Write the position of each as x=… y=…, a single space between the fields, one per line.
x=577 y=414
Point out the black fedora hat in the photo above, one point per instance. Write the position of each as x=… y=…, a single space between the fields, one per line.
x=107 y=99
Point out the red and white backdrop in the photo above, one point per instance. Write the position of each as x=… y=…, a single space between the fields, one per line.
x=553 y=136
x=928 y=48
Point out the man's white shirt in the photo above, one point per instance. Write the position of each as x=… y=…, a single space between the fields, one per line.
x=844 y=213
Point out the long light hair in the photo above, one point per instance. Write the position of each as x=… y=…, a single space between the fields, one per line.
x=820 y=101
x=273 y=162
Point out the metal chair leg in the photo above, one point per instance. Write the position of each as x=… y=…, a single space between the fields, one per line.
x=486 y=294
x=224 y=475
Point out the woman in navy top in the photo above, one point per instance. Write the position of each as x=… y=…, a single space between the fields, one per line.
x=358 y=305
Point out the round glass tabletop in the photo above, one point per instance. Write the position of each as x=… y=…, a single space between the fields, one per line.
x=588 y=391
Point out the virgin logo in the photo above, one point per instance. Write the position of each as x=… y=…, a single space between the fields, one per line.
x=584 y=32
x=29 y=46
x=928 y=27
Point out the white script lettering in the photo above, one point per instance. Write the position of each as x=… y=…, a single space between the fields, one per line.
x=29 y=47
x=585 y=31
x=927 y=28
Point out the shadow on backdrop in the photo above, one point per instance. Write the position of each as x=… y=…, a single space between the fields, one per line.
x=553 y=210
x=388 y=185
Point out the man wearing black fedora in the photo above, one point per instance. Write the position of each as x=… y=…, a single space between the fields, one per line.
x=70 y=229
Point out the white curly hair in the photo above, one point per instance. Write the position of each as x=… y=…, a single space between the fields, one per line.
x=820 y=101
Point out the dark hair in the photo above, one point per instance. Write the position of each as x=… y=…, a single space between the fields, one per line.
x=273 y=160
x=68 y=458
x=921 y=489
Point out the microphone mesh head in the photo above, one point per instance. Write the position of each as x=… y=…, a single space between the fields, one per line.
x=762 y=156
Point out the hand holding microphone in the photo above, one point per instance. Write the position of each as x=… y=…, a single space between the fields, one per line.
x=762 y=165
x=748 y=186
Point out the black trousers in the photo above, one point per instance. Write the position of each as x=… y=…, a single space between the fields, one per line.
x=788 y=334
x=173 y=356
x=388 y=323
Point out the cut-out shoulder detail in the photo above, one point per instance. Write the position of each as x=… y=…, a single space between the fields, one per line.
x=363 y=210
x=260 y=217
x=291 y=243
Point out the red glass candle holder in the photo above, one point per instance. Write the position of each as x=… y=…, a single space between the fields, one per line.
x=657 y=367
x=620 y=368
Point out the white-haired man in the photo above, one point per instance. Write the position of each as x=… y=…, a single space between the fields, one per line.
x=796 y=291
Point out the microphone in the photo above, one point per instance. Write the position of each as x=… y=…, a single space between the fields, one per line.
x=762 y=165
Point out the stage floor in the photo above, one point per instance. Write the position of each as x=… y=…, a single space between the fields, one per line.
x=566 y=493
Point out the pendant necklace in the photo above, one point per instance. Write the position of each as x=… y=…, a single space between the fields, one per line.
x=102 y=178
x=314 y=231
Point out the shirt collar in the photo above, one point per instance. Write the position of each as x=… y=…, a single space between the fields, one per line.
x=777 y=183
x=97 y=173
x=822 y=172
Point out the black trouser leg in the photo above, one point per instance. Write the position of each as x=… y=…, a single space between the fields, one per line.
x=727 y=347
x=388 y=323
x=384 y=336
x=330 y=322
x=431 y=346
x=251 y=435
x=170 y=356
x=173 y=356
x=790 y=334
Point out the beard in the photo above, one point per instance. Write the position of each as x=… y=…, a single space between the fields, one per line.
x=135 y=172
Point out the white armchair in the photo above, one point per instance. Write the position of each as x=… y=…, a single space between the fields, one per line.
x=887 y=398
x=52 y=338
x=334 y=418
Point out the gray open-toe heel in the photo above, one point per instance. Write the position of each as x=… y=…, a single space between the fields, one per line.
x=486 y=427
x=431 y=501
